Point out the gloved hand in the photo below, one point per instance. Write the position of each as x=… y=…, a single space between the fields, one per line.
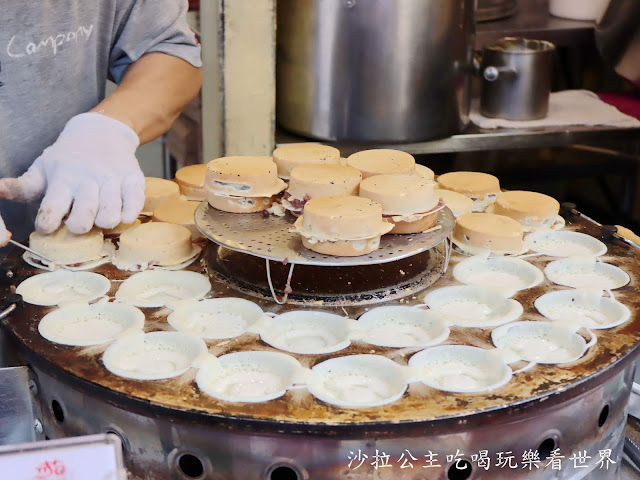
x=5 y=235
x=91 y=170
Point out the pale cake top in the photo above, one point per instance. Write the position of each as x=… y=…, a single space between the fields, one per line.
x=521 y=204
x=176 y=211
x=471 y=184
x=243 y=176
x=323 y=180
x=192 y=175
x=65 y=247
x=291 y=156
x=343 y=218
x=381 y=162
x=458 y=203
x=158 y=191
x=400 y=194
x=490 y=224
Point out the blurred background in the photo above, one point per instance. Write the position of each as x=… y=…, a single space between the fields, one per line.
x=282 y=71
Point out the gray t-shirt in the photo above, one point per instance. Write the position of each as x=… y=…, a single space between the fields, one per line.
x=55 y=57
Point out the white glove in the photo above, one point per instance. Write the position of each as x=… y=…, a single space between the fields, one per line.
x=91 y=170
x=5 y=235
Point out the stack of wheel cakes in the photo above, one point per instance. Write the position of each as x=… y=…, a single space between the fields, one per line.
x=343 y=206
x=242 y=184
x=498 y=220
x=163 y=236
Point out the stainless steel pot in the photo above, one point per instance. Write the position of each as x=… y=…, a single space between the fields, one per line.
x=516 y=79
x=374 y=70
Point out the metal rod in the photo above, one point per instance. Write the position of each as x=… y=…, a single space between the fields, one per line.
x=633 y=452
x=8 y=311
x=47 y=259
x=615 y=235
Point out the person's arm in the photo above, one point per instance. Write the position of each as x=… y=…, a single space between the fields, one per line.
x=152 y=93
x=91 y=171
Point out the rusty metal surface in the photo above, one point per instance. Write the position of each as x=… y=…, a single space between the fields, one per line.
x=537 y=388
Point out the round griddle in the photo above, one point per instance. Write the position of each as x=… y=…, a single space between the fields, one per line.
x=300 y=410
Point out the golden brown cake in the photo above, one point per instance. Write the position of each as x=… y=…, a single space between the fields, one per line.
x=535 y=211
x=180 y=212
x=240 y=204
x=67 y=248
x=242 y=184
x=157 y=191
x=191 y=179
x=424 y=172
x=481 y=188
x=408 y=201
x=116 y=231
x=381 y=162
x=289 y=157
x=311 y=181
x=458 y=203
x=342 y=226
x=154 y=243
x=243 y=177
x=478 y=232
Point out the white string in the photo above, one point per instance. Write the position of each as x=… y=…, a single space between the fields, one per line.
x=528 y=255
x=525 y=368
x=447 y=253
x=432 y=229
x=273 y=292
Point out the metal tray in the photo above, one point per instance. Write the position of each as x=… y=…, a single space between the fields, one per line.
x=270 y=238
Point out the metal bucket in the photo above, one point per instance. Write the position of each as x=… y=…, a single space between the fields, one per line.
x=374 y=70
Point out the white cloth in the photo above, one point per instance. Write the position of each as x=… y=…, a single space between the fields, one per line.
x=91 y=171
x=566 y=108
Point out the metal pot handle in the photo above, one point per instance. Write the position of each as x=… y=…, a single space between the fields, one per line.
x=491 y=73
x=10 y=304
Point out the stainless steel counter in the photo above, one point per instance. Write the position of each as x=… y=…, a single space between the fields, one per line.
x=532 y=21
x=476 y=139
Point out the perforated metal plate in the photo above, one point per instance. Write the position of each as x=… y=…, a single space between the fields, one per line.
x=270 y=238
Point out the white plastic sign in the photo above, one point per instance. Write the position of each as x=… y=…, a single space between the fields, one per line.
x=77 y=458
